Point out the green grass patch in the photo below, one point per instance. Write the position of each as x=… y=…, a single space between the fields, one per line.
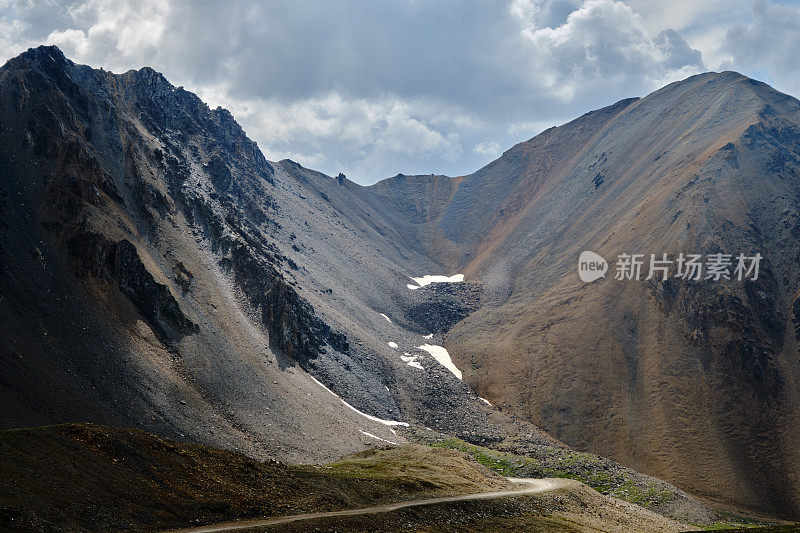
x=590 y=469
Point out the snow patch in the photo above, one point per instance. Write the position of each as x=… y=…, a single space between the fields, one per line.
x=440 y=354
x=411 y=360
x=427 y=279
x=370 y=435
x=428 y=336
x=365 y=415
x=484 y=400
x=389 y=320
x=392 y=344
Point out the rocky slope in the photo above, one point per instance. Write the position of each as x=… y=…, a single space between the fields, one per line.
x=157 y=271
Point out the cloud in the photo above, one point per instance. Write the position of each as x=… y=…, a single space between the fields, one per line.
x=685 y=15
x=361 y=136
x=12 y=40
x=767 y=47
x=602 y=42
x=115 y=34
x=528 y=129
x=377 y=88
x=118 y=33
x=676 y=54
x=487 y=148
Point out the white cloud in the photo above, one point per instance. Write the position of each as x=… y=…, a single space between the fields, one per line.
x=683 y=15
x=601 y=42
x=528 y=129
x=413 y=87
x=359 y=135
x=120 y=34
x=12 y=40
x=406 y=134
x=710 y=41
x=767 y=47
x=487 y=148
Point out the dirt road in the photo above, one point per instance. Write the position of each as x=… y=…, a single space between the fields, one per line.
x=524 y=486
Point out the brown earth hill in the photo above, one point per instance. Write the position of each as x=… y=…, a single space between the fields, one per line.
x=694 y=382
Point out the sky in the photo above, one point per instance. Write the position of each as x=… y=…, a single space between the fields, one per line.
x=376 y=88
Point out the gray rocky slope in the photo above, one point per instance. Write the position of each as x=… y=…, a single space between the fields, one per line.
x=157 y=271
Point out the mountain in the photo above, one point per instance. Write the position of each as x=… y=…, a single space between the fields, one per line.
x=157 y=271
x=692 y=381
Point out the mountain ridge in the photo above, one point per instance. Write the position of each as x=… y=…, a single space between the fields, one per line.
x=541 y=329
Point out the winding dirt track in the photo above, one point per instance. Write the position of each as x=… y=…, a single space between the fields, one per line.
x=526 y=486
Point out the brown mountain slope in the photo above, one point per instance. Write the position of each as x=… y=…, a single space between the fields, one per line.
x=695 y=382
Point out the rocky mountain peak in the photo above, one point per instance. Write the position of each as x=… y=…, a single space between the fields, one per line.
x=43 y=57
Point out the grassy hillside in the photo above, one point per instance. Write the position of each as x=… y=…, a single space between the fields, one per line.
x=86 y=477
x=604 y=475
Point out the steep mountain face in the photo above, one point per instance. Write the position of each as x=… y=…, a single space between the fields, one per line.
x=692 y=381
x=157 y=271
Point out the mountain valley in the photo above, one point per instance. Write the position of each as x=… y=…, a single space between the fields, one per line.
x=157 y=272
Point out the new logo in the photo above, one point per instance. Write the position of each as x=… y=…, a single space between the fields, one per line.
x=591 y=266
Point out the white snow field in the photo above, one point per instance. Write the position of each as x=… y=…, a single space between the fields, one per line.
x=440 y=354
x=428 y=279
x=411 y=360
x=368 y=434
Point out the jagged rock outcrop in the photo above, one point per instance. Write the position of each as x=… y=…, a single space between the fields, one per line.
x=119 y=262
